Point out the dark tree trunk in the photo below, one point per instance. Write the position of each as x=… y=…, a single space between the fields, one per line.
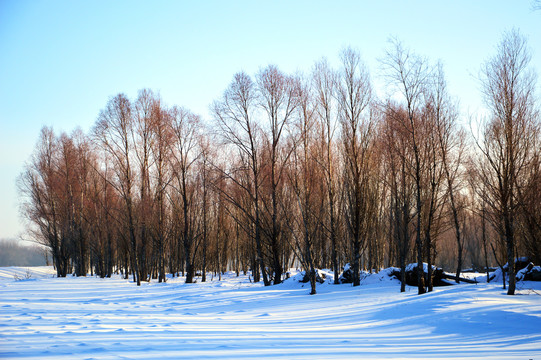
x=484 y=237
x=430 y=284
x=356 y=266
x=418 y=242
x=332 y=220
x=510 y=254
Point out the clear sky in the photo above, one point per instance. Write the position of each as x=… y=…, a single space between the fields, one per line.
x=60 y=61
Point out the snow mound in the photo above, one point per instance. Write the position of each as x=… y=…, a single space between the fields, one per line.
x=383 y=277
x=322 y=276
x=20 y=273
x=528 y=273
x=413 y=266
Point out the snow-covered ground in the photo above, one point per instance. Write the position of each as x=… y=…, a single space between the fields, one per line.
x=42 y=317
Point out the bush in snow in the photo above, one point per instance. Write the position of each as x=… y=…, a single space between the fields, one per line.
x=26 y=276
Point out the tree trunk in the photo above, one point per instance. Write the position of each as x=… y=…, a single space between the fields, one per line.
x=430 y=285
x=510 y=254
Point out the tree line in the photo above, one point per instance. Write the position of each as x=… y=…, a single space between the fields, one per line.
x=14 y=254
x=310 y=170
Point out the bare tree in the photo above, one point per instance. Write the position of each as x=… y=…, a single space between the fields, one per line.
x=450 y=146
x=303 y=179
x=395 y=141
x=74 y=169
x=103 y=207
x=278 y=97
x=509 y=136
x=530 y=200
x=39 y=185
x=410 y=74
x=113 y=132
x=234 y=115
x=161 y=147
x=205 y=180
x=185 y=127
x=324 y=82
x=142 y=138
x=354 y=93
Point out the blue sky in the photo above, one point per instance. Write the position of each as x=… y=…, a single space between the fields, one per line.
x=60 y=61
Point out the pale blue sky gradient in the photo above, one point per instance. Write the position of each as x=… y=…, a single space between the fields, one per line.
x=60 y=61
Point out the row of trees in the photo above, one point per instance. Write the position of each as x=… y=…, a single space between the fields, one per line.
x=311 y=170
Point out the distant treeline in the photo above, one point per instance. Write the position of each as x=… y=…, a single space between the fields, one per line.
x=14 y=254
x=311 y=170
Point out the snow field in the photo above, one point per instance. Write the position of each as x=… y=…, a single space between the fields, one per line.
x=90 y=318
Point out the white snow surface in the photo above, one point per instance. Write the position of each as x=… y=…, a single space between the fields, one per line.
x=43 y=317
x=413 y=266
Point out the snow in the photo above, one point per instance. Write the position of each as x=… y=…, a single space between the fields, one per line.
x=326 y=275
x=520 y=275
x=413 y=266
x=43 y=317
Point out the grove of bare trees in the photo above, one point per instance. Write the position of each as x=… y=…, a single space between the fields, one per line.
x=300 y=170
